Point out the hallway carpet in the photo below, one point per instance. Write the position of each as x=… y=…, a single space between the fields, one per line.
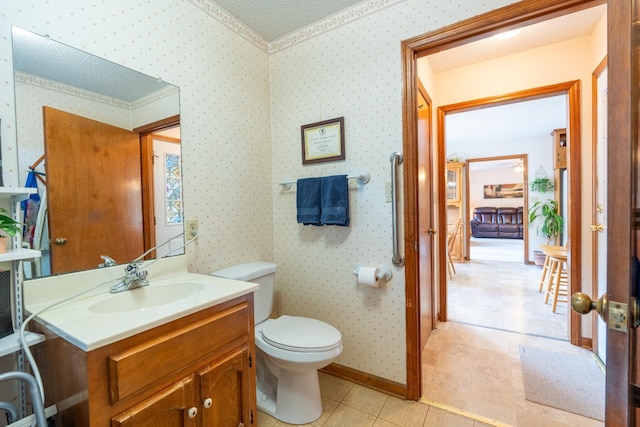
x=548 y=374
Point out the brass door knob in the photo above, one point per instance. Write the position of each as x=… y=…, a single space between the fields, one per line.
x=60 y=241
x=582 y=303
x=432 y=231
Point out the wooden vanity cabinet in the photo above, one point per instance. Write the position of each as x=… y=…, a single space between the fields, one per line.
x=194 y=371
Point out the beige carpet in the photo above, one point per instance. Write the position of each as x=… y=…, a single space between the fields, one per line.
x=565 y=381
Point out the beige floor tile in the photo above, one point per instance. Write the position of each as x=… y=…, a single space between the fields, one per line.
x=578 y=421
x=365 y=400
x=265 y=420
x=490 y=410
x=332 y=387
x=440 y=418
x=328 y=407
x=347 y=416
x=404 y=412
x=383 y=423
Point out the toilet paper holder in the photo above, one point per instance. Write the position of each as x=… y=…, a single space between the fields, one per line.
x=384 y=273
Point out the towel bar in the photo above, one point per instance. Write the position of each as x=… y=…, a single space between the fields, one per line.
x=361 y=178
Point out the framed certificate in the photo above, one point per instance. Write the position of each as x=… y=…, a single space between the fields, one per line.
x=323 y=141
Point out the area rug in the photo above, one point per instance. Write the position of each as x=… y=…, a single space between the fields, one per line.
x=569 y=382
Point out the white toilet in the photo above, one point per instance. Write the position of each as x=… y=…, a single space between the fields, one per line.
x=290 y=351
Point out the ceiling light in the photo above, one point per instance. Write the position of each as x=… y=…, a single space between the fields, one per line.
x=507 y=34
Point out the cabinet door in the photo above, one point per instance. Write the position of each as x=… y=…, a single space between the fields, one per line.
x=225 y=390
x=172 y=407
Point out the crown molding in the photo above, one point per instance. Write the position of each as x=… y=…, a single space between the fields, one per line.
x=221 y=15
x=306 y=33
x=43 y=83
x=331 y=22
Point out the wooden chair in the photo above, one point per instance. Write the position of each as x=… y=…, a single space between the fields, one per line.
x=451 y=238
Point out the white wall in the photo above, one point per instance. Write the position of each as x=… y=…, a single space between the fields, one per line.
x=241 y=112
x=352 y=71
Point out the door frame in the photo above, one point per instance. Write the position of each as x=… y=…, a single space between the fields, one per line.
x=572 y=91
x=519 y=14
x=524 y=158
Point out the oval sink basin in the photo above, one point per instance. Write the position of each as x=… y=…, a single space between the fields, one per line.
x=145 y=297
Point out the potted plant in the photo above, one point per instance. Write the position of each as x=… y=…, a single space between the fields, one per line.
x=541 y=185
x=9 y=227
x=550 y=224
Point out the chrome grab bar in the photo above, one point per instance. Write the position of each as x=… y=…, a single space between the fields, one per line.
x=396 y=160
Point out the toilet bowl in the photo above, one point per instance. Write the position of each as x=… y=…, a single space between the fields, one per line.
x=290 y=350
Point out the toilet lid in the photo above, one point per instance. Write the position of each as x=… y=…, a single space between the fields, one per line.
x=301 y=334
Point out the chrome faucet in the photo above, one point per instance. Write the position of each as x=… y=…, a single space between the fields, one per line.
x=108 y=261
x=133 y=278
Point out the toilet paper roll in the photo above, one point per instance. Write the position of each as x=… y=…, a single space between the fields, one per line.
x=368 y=276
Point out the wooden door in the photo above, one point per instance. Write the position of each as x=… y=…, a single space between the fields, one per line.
x=425 y=218
x=173 y=407
x=623 y=207
x=226 y=389
x=94 y=191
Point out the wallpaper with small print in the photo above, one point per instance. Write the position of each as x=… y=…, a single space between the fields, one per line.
x=242 y=102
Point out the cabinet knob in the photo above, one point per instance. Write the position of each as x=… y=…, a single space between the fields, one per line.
x=207 y=402
x=192 y=412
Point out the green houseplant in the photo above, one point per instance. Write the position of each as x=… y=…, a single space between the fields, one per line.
x=541 y=185
x=9 y=227
x=549 y=222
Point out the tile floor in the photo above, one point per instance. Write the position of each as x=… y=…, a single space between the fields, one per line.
x=351 y=405
x=471 y=364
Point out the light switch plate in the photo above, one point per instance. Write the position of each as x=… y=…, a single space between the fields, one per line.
x=387 y=191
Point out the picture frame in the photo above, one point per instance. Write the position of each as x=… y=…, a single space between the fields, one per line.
x=504 y=191
x=323 y=141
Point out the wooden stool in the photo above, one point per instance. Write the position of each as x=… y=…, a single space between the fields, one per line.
x=558 y=286
x=544 y=278
x=549 y=250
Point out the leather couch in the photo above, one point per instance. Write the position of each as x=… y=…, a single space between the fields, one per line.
x=501 y=223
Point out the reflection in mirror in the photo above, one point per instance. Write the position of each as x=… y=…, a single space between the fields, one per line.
x=101 y=142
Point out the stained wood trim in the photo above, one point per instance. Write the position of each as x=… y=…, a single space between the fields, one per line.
x=167 y=123
x=365 y=379
x=572 y=90
x=410 y=176
x=516 y=15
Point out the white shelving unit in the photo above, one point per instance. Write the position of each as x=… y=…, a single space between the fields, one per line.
x=15 y=255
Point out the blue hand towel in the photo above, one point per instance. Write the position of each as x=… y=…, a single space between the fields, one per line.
x=308 y=201
x=334 y=200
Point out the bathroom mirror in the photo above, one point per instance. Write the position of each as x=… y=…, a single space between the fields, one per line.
x=101 y=142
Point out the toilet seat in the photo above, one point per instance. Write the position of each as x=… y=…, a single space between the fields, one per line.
x=301 y=334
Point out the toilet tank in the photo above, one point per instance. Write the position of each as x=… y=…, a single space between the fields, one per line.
x=260 y=272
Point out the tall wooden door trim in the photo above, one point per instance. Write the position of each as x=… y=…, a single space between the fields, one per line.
x=572 y=91
x=519 y=14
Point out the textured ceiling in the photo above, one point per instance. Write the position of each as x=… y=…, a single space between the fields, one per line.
x=273 y=19
x=40 y=56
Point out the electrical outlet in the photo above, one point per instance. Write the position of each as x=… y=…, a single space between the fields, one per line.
x=192 y=228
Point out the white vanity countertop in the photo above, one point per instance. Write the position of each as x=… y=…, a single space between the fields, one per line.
x=99 y=317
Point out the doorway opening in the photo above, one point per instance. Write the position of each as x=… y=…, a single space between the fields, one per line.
x=510 y=17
